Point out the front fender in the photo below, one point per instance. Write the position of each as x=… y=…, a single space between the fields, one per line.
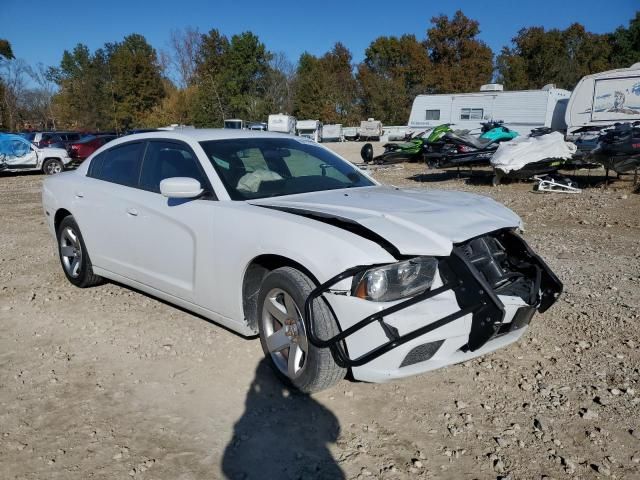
x=324 y=250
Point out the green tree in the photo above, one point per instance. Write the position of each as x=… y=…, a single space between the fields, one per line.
x=325 y=88
x=209 y=107
x=6 y=51
x=626 y=44
x=394 y=71
x=83 y=90
x=461 y=62
x=538 y=57
x=136 y=80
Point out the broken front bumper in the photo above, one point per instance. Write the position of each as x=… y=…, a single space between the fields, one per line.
x=462 y=275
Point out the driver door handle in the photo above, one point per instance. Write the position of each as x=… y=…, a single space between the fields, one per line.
x=132 y=212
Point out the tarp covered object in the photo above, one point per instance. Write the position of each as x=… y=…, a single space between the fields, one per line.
x=14 y=150
x=517 y=153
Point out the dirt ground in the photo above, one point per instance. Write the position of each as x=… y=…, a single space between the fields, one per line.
x=108 y=383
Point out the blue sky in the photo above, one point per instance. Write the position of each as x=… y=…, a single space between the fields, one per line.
x=40 y=30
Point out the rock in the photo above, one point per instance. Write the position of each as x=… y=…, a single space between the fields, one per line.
x=460 y=404
x=539 y=425
x=417 y=463
x=588 y=414
x=615 y=391
x=498 y=466
x=602 y=470
x=348 y=393
x=502 y=442
x=569 y=465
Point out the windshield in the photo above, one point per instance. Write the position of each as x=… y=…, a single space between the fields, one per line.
x=253 y=168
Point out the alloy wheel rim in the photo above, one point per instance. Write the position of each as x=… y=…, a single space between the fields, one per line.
x=71 y=252
x=53 y=167
x=284 y=332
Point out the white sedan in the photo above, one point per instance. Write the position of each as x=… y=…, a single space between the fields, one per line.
x=276 y=235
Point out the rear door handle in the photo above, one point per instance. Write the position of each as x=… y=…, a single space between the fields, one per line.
x=79 y=195
x=132 y=211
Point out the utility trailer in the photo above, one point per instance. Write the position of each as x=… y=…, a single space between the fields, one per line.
x=332 y=133
x=282 y=123
x=311 y=129
x=520 y=110
x=370 y=129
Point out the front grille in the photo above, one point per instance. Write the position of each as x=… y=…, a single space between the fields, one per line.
x=421 y=353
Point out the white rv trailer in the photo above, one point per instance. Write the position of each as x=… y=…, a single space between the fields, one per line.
x=370 y=129
x=521 y=110
x=282 y=123
x=604 y=98
x=332 y=133
x=311 y=129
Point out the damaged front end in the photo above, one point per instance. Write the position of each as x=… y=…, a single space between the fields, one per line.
x=478 y=272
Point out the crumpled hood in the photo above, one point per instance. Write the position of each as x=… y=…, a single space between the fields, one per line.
x=416 y=222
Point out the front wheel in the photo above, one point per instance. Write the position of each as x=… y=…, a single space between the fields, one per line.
x=74 y=256
x=283 y=335
x=52 y=166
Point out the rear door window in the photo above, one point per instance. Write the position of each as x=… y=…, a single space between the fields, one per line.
x=120 y=164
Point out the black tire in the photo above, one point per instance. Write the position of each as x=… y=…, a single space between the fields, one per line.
x=51 y=166
x=319 y=370
x=366 y=152
x=84 y=277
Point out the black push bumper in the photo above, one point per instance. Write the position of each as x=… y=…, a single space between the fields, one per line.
x=473 y=293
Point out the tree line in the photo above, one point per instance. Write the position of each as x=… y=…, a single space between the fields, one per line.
x=203 y=78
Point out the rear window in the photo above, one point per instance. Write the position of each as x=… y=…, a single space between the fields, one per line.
x=119 y=165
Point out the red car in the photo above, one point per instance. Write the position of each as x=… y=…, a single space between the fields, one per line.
x=86 y=146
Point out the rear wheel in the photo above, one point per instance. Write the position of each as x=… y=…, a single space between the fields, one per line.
x=283 y=335
x=74 y=256
x=52 y=166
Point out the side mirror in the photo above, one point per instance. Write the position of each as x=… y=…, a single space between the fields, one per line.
x=180 y=187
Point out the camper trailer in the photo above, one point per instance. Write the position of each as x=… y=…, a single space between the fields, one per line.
x=370 y=129
x=234 y=123
x=282 y=123
x=311 y=129
x=332 y=133
x=604 y=98
x=520 y=110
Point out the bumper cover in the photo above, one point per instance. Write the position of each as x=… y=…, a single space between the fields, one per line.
x=473 y=294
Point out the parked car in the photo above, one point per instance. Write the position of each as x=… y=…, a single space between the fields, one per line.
x=86 y=146
x=17 y=154
x=52 y=139
x=279 y=236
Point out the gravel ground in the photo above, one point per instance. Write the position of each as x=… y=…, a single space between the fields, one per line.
x=111 y=383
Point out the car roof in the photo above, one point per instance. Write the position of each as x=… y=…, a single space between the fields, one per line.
x=205 y=134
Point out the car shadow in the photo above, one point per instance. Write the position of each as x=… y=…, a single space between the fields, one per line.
x=281 y=434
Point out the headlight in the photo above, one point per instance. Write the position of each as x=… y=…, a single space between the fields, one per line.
x=395 y=281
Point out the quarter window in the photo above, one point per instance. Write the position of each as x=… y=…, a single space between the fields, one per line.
x=166 y=160
x=120 y=164
x=471 y=113
x=432 y=115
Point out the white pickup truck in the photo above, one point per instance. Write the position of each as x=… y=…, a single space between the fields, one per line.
x=17 y=154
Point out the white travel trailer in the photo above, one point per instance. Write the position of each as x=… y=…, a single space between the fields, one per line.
x=282 y=123
x=604 y=98
x=332 y=133
x=370 y=129
x=311 y=129
x=520 y=110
